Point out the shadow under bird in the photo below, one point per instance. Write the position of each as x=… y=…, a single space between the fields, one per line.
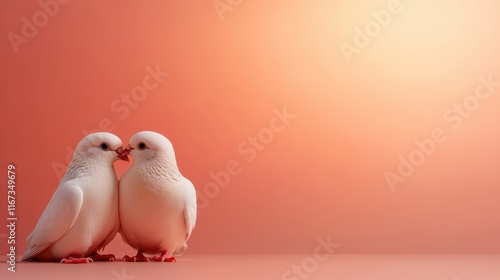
x=157 y=204
x=82 y=215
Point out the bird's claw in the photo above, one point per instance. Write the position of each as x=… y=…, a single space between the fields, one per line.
x=163 y=259
x=77 y=260
x=137 y=258
x=102 y=258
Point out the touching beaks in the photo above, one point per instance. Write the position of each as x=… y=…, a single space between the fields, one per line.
x=123 y=153
x=128 y=149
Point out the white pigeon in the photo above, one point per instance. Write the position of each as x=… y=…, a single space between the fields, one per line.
x=157 y=204
x=82 y=215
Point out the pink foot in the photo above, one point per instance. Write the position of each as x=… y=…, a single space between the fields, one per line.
x=70 y=259
x=137 y=258
x=163 y=258
x=102 y=258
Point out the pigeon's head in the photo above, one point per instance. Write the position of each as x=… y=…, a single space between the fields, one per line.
x=147 y=145
x=102 y=146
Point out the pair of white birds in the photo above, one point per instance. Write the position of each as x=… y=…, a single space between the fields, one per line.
x=152 y=206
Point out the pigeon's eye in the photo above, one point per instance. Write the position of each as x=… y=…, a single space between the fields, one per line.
x=141 y=146
x=104 y=146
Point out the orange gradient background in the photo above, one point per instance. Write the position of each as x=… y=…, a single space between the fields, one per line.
x=323 y=174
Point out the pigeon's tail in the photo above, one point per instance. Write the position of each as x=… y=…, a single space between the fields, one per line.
x=180 y=251
x=33 y=251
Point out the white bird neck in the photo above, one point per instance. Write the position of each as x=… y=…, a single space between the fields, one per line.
x=81 y=167
x=161 y=167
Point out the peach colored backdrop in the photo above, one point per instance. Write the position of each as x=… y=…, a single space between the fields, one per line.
x=232 y=68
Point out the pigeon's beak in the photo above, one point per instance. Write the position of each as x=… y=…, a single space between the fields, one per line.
x=123 y=153
x=128 y=149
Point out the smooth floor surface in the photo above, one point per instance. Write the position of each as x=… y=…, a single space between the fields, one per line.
x=292 y=267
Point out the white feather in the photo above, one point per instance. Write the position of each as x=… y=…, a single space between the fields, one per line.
x=82 y=215
x=157 y=204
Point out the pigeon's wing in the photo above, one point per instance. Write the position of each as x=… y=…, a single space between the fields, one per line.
x=190 y=208
x=57 y=218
